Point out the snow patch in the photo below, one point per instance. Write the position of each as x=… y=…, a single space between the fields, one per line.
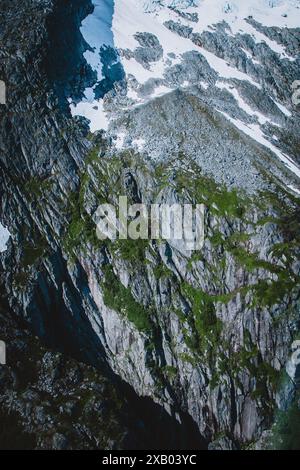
x=294 y=189
x=94 y=112
x=283 y=109
x=139 y=144
x=242 y=104
x=4 y=237
x=115 y=23
x=96 y=30
x=119 y=142
x=254 y=131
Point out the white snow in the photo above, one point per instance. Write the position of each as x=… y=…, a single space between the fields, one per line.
x=132 y=94
x=224 y=69
x=130 y=18
x=242 y=104
x=281 y=13
x=283 y=109
x=254 y=131
x=293 y=188
x=139 y=144
x=116 y=22
x=204 y=85
x=210 y=12
x=94 y=112
x=4 y=237
x=119 y=142
x=161 y=90
x=134 y=68
x=96 y=30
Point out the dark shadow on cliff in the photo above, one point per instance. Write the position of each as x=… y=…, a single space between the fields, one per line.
x=150 y=426
x=70 y=331
x=65 y=64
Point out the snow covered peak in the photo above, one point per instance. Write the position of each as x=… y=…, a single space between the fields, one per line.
x=228 y=49
x=154 y=5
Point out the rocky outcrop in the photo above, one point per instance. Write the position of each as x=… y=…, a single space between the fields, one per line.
x=52 y=401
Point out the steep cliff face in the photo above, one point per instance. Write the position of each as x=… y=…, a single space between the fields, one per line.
x=204 y=335
x=50 y=401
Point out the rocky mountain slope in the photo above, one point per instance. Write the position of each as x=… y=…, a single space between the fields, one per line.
x=240 y=60
x=205 y=336
x=51 y=401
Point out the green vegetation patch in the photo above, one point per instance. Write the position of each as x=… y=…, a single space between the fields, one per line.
x=36 y=186
x=219 y=199
x=286 y=429
x=120 y=298
x=207 y=326
x=130 y=250
x=81 y=229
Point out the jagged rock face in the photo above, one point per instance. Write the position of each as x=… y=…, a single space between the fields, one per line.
x=204 y=335
x=49 y=401
x=240 y=59
x=203 y=340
